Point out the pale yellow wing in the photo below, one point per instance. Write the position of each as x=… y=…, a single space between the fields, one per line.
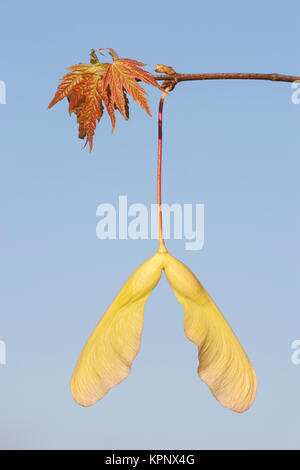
x=108 y=354
x=223 y=364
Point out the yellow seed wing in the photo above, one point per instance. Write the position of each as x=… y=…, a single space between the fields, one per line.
x=223 y=364
x=108 y=354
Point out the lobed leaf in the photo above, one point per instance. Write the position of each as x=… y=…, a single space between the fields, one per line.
x=92 y=108
x=88 y=86
x=122 y=75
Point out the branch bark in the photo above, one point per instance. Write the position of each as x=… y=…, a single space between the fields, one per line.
x=185 y=77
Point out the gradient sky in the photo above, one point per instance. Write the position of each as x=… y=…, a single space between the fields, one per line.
x=231 y=145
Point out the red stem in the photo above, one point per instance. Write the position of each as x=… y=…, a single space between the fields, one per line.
x=162 y=246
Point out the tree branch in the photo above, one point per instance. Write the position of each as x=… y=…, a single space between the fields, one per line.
x=185 y=77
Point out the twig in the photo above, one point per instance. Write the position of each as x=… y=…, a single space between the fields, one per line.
x=185 y=77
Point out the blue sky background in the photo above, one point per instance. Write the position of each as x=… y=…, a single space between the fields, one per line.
x=232 y=145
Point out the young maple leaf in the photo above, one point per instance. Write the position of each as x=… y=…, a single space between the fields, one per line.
x=88 y=85
x=92 y=107
x=82 y=86
x=77 y=76
x=121 y=76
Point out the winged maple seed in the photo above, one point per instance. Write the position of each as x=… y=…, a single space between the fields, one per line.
x=88 y=86
x=108 y=355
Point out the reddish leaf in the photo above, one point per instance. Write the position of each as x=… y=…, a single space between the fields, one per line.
x=122 y=75
x=87 y=85
x=71 y=80
x=109 y=106
x=92 y=108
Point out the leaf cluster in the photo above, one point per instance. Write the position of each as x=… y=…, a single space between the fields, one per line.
x=91 y=87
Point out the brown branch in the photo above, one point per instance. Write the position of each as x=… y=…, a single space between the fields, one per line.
x=185 y=77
